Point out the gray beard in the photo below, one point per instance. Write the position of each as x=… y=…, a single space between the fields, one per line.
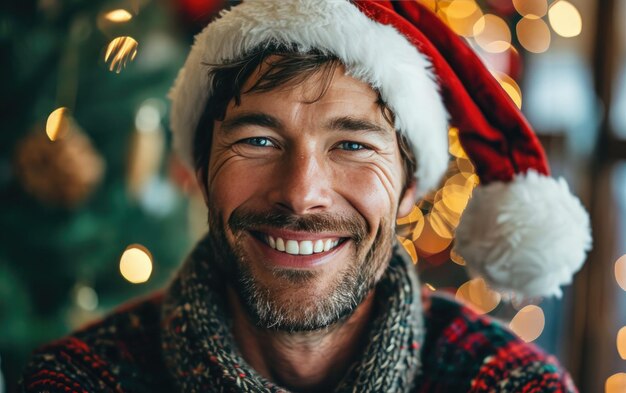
x=263 y=303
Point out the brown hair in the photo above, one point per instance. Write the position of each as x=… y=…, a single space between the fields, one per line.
x=287 y=66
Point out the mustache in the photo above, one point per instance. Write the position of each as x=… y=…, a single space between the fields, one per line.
x=245 y=220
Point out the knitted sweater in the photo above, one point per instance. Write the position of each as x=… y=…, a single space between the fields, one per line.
x=462 y=352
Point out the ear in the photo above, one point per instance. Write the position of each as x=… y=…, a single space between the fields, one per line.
x=407 y=200
x=202 y=184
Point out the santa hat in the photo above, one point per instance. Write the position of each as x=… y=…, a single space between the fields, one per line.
x=522 y=231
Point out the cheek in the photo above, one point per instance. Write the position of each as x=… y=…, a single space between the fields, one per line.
x=373 y=191
x=233 y=184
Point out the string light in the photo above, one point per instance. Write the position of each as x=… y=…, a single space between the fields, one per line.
x=532 y=9
x=478 y=295
x=620 y=271
x=58 y=124
x=616 y=383
x=118 y=16
x=136 y=264
x=492 y=33
x=120 y=50
x=533 y=35
x=528 y=323
x=621 y=342
x=511 y=87
x=565 y=19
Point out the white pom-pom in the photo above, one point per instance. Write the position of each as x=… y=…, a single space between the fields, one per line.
x=528 y=236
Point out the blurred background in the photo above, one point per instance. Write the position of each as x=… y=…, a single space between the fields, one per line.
x=97 y=210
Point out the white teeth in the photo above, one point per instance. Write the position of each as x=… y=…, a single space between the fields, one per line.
x=280 y=244
x=304 y=247
x=319 y=246
x=291 y=247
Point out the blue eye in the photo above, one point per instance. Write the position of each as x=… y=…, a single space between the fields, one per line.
x=259 y=142
x=351 y=146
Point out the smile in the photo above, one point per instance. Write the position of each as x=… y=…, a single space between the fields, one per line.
x=300 y=247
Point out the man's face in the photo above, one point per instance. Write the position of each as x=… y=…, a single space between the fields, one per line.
x=303 y=195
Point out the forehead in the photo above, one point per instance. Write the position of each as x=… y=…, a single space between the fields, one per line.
x=327 y=84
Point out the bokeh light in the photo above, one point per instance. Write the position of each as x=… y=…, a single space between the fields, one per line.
x=457 y=258
x=533 y=35
x=565 y=19
x=616 y=383
x=86 y=298
x=462 y=15
x=58 y=124
x=118 y=16
x=454 y=144
x=429 y=242
x=478 y=295
x=429 y=286
x=119 y=51
x=511 y=87
x=136 y=264
x=410 y=248
x=532 y=9
x=621 y=342
x=528 y=323
x=492 y=33
x=620 y=271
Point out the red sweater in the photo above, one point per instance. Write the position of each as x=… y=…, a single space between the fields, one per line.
x=462 y=352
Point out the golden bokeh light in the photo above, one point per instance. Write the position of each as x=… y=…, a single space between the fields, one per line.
x=528 y=323
x=462 y=15
x=533 y=35
x=118 y=16
x=136 y=264
x=430 y=287
x=119 y=51
x=616 y=383
x=58 y=124
x=457 y=258
x=565 y=19
x=532 y=9
x=410 y=248
x=465 y=166
x=620 y=271
x=492 y=34
x=429 y=242
x=511 y=87
x=454 y=144
x=478 y=295
x=442 y=221
x=621 y=342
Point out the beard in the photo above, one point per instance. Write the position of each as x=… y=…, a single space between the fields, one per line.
x=293 y=300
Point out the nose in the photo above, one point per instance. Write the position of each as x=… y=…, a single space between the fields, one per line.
x=303 y=184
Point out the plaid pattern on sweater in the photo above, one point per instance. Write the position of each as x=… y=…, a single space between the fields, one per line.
x=462 y=352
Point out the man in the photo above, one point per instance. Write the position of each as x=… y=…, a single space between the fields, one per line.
x=313 y=126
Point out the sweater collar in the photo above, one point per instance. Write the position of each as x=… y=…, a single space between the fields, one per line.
x=201 y=353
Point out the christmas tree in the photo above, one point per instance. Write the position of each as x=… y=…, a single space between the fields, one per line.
x=84 y=168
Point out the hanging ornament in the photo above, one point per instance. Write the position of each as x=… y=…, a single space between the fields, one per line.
x=64 y=172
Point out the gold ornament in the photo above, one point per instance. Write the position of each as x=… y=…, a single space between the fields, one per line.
x=63 y=172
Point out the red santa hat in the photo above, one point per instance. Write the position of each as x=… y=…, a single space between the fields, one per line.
x=522 y=231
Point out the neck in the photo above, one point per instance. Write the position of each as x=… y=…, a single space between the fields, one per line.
x=302 y=361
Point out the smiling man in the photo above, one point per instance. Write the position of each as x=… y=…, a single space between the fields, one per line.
x=312 y=126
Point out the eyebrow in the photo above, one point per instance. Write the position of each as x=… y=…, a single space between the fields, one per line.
x=251 y=119
x=348 y=123
x=342 y=123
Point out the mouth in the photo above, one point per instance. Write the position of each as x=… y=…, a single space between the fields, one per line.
x=299 y=244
